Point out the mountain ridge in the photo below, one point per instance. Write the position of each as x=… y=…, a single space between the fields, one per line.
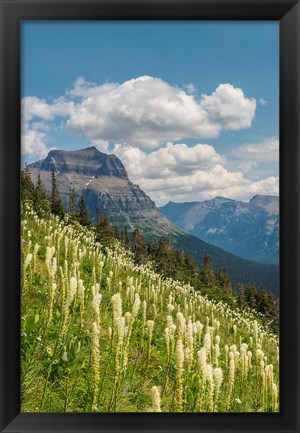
x=107 y=187
x=247 y=229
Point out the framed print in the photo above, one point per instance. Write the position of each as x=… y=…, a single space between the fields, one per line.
x=149 y=216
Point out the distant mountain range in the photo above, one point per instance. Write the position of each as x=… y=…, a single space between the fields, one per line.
x=249 y=230
x=108 y=188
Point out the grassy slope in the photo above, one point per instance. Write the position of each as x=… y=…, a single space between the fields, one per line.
x=81 y=356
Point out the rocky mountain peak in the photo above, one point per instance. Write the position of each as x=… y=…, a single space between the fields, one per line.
x=269 y=203
x=89 y=162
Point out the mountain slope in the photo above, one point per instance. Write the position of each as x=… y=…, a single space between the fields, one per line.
x=249 y=230
x=108 y=188
x=97 y=336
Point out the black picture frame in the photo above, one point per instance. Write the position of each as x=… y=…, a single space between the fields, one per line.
x=12 y=14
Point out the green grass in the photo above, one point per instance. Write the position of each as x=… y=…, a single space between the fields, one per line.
x=64 y=371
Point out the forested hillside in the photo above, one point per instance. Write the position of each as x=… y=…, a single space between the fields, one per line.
x=103 y=331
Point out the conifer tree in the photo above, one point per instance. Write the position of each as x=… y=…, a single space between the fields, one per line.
x=139 y=245
x=208 y=274
x=97 y=218
x=72 y=203
x=83 y=214
x=40 y=195
x=27 y=186
x=225 y=281
x=40 y=190
x=242 y=302
x=57 y=206
x=126 y=237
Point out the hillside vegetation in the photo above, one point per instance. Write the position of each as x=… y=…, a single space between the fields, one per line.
x=103 y=334
x=109 y=191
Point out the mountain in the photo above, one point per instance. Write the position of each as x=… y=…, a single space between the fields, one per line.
x=249 y=230
x=108 y=188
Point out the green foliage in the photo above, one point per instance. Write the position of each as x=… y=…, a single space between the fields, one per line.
x=83 y=214
x=82 y=353
x=164 y=257
x=261 y=301
x=57 y=207
x=72 y=209
x=208 y=273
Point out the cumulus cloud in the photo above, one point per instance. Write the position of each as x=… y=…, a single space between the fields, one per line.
x=227 y=106
x=36 y=116
x=33 y=143
x=265 y=151
x=33 y=107
x=177 y=172
x=178 y=159
x=145 y=111
x=145 y=116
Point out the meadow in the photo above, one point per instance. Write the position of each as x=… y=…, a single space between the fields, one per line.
x=103 y=334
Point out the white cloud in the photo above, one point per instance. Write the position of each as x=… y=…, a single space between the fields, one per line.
x=227 y=106
x=33 y=143
x=35 y=132
x=33 y=107
x=177 y=172
x=246 y=166
x=190 y=88
x=102 y=145
x=145 y=112
x=263 y=102
x=265 y=151
x=145 y=115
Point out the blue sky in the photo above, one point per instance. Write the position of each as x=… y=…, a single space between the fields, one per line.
x=233 y=136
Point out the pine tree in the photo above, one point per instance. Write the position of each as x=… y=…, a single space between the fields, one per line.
x=40 y=190
x=41 y=201
x=57 y=206
x=72 y=204
x=139 y=246
x=208 y=274
x=179 y=257
x=192 y=267
x=242 y=297
x=126 y=238
x=83 y=214
x=27 y=186
x=225 y=281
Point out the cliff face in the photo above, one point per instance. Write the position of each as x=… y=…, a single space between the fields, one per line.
x=107 y=188
x=86 y=162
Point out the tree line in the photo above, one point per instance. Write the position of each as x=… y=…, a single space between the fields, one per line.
x=166 y=259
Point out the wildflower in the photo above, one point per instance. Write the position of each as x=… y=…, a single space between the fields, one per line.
x=259 y=355
x=95 y=364
x=210 y=381
x=150 y=325
x=179 y=375
x=96 y=307
x=27 y=261
x=136 y=306
x=72 y=289
x=155 y=397
x=170 y=308
x=231 y=377
x=274 y=398
x=207 y=343
x=181 y=325
x=218 y=380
